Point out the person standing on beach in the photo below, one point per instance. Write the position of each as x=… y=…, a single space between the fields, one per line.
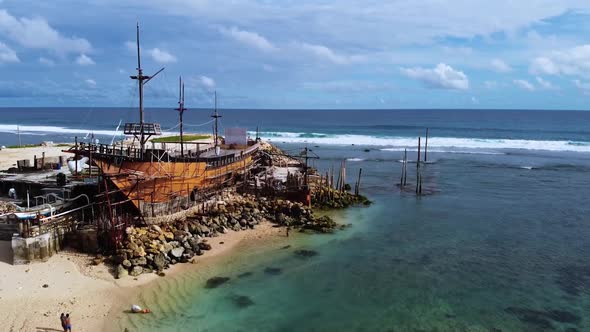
x=62 y=318
x=68 y=323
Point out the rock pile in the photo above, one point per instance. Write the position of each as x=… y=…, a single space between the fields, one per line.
x=327 y=198
x=153 y=248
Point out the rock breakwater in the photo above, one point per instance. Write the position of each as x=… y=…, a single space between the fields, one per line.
x=154 y=248
x=325 y=197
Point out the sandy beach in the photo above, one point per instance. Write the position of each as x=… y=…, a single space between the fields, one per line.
x=8 y=157
x=90 y=293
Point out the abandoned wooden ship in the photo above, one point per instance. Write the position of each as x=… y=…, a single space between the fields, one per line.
x=160 y=180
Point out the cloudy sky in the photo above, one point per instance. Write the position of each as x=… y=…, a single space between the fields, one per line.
x=299 y=53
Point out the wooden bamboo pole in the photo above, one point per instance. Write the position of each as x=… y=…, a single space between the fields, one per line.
x=327 y=187
x=418 y=160
x=418 y=169
x=405 y=167
x=426 y=147
x=343 y=174
x=358 y=183
x=420 y=188
x=332 y=177
x=337 y=187
x=401 y=180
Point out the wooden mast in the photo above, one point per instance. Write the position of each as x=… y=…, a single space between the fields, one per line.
x=181 y=110
x=216 y=128
x=141 y=81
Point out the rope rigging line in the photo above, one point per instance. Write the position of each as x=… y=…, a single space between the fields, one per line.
x=199 y=125
x=178 y=124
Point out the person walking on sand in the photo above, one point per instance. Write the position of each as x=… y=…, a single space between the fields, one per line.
x=68 y=323
x=62 y=318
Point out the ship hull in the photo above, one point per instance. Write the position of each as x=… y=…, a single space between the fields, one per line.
x=160 y=188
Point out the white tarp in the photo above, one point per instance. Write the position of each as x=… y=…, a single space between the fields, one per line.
x=237 y=136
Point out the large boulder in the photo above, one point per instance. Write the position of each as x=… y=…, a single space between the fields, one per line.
x=166 y=247
x=156 y=229
x=194 y=243
x=176 y=252
x=139 y=261
x=119 y=257
x=202 y=229
x=139 y=253
x=204 y=246
x=180 y=236
x=159 y=262
x=132 y=245
x=135 y=271
x=121 y=272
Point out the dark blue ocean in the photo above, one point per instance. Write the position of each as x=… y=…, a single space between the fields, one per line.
x=502 y=244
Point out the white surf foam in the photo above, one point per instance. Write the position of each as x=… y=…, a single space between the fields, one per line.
x=435 y=144
x=355 y=159
x=444 y=151
x=43 y=130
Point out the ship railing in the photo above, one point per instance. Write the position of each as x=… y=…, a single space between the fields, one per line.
x=111 y=150
x=135 y=153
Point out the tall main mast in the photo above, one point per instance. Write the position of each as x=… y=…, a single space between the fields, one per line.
x=216 y=116
x=141 y=78
x=153 y=129
x=181 y=110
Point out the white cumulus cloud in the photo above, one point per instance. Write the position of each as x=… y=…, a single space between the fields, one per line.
x=544 y=84
x=38 y=34
x=327 y=54
x=249 y=38
x=207 y=82
x=524 y=84
x=90 y=82
x=7 y=54
x=84 y=60
x=372 y=23
x=157 y=54
x=442 y=76
x=584 y=87
x=161 y=56
x=574 y=61
x=500 y=66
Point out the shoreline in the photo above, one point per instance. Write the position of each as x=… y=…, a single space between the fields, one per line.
x=90 y=293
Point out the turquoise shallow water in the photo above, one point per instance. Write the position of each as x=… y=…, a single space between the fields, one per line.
x=497 y=247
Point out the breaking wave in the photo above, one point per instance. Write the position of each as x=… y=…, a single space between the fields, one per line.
x=435 y=144
x=46 y=130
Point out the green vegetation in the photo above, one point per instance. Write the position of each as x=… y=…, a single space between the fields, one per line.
x=176 y=139
x=23 y=146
